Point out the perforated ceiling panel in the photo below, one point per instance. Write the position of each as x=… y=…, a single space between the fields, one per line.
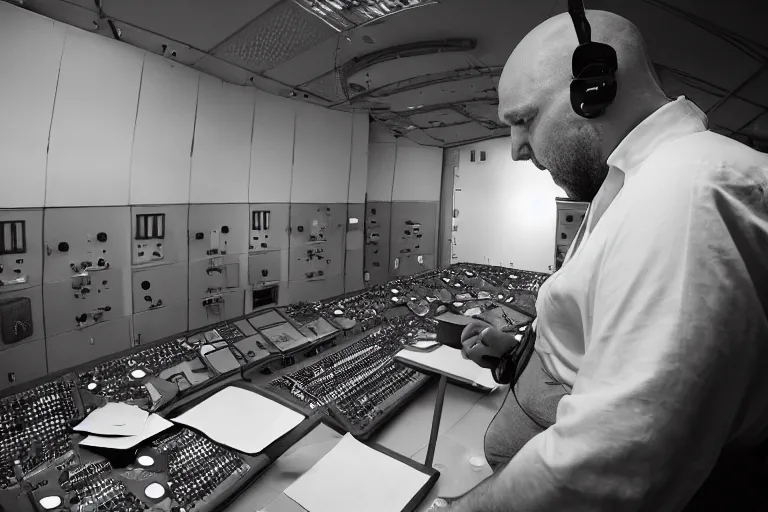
x=275 y=37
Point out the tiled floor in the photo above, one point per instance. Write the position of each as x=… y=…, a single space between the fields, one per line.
x=466 y=415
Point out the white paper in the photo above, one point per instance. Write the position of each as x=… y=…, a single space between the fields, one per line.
x=114 y=419
x=353 y=477
x=155 y=424
x=448 y=361
x=240 y=419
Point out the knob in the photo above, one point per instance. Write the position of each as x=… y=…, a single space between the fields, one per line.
x=225 y=229
x=11 y=377
x=63 y=247
x=199 y=236
x=145 y=285
x=569 y=218
x=101 y=237
x=300 y=229
x=264 y=272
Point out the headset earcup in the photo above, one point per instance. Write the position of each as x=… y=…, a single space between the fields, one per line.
x=590 y=97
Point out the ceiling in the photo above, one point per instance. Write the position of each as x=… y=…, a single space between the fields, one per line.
x=430 y=73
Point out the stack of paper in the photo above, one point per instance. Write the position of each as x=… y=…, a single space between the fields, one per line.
x=120 y=426
x=241 y=419
x=353 y=477
x=448 y=361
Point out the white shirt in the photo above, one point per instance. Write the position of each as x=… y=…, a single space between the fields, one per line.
x=658 y=321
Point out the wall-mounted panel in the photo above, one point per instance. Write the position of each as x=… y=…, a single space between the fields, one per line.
x=23 y=363
x=82 y=345
x=157 y=287
x=93 y=122
x=316 y=223
x=216 y=229
x=159 y=234
x=30 y=54
x=311 y=291
x=272 y=149
x=353 y=271
x=413 y=228
x=221 y=158
x=322 y=154
x=160 y=323
x=407 y=265
x=355 y=226
x=217 y=274
x=269 y=226
x=91 y=298
x=377 y=233
x=267 y=267
x=318 y=260
x=381 y=170
x=418 y=171
x=85 y=239
x=225 y=306
x=355 y=252
x=25 y=309
x=21 y=251
x=358 y=174
x=162 y=144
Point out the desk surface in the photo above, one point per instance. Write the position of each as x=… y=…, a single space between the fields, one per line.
x=466 y=415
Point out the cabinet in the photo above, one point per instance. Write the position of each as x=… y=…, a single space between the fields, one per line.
x=22 y=363
x=570 y=215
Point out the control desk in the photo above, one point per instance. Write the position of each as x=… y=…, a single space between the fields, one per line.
x=331 y=360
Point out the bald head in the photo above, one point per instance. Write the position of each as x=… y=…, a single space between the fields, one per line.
x=534 y=99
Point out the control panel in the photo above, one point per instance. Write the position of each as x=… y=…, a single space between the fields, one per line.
x=413 y=233
x=159 y=234
x=377 y=233
x=269 y=226
x=317 y=241
x=21 y=255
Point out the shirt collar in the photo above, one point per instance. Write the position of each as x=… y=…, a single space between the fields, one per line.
x=672 y=121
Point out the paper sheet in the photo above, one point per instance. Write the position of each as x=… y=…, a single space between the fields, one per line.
x=353 y=477
x=448 y=361
x=114 y=419
x=243 y=420
x=154 y=425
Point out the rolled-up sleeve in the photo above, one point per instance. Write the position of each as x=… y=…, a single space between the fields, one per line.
x=675 y=341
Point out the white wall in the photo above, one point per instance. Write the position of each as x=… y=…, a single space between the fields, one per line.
x=507 y=210
x=89 y=121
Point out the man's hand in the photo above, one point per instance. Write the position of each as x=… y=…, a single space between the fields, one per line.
x=484 y=344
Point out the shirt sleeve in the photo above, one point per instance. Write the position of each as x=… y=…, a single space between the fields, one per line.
x=677 y=326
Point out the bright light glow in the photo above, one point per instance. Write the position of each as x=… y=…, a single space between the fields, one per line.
x=347 y=14
x=354 y=220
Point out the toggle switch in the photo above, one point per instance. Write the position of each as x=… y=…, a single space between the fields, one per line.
x=63 y=247
x=225 y=229
x=199 y=236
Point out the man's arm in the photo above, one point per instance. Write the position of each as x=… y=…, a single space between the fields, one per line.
x=674 y=343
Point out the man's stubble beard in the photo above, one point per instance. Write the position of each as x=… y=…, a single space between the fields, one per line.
x=578 y=167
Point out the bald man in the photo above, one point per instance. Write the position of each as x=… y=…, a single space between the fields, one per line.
x=646 y=386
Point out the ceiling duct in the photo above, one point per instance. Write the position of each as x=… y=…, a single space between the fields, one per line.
x=347 y=14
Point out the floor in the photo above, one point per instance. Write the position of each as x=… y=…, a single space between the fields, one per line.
x=466 y=415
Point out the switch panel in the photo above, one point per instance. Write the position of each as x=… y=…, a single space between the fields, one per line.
x=159 y=287
x=215 y=308
x=85 y=300
x=413 y=229
x=317 y=224
x=22 y=363
x=159 y=234
x=21 y=318
x=21 y=254
x=217 y=274
x=316 y=261
x=84 y=240
x=310 y=291
x=409 y=264
x=269 y=226
x=377 y=232
x=217 y=230
x=81 y=346
x=265 y=268
x=160 y=323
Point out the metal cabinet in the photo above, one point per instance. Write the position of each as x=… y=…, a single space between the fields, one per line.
x=570 y=215
x=82 y=345
x=21 y=251
x=22 y=363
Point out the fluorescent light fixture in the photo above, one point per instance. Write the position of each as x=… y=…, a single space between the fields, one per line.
x=346 y=14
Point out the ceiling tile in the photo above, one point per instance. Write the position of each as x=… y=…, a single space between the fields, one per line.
x=452 y=92
x=199 y=23
x=275 y=37
x=459 y=133
x=733 y=114
x=437 y=118
x=757 y=89
x=308 y=65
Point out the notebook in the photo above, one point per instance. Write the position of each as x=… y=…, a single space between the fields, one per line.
x=449 y=361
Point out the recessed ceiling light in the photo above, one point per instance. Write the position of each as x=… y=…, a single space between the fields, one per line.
x=346 y=14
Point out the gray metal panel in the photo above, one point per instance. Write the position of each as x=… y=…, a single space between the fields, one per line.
x=310 y=219
x=31 y=265
x=204 y=282
x=36 y=302
x=377 y=233
x=63 y=303
x=174 y=244
x=232 y=307
x=205 y=218
x=422 y=213
x=353 y=272
x=276 y=236
x=331 y=262
x=159 y=323
x=445 y=225
x=315 y=290
x=355 y=226
x=411 y=264
x=83 y=345
x=79 y=228
x=166 y=283
x=376 y=276
x=266 y=267
x=22 y=363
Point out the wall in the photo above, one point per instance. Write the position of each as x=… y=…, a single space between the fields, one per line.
x=404 y=182
x=157 y=199
x=506 y=210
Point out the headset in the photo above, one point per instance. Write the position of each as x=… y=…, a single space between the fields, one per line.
x=594 y=86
